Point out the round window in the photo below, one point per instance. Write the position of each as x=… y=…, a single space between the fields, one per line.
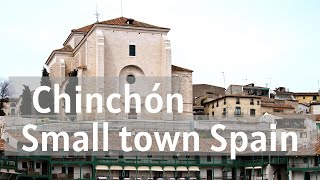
x=131 y=79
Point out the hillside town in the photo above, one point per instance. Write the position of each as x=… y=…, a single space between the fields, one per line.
x=106 y=55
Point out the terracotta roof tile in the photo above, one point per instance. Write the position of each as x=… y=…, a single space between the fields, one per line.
x=121 y=21
x=66 y=48
x=177 y=68
x=274 y=105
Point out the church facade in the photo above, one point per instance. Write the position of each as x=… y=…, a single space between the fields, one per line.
x=109 y=54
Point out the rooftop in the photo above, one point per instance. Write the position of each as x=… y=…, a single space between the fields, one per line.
x=121 y=21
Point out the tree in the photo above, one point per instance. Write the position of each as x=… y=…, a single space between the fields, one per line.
x=5 y=93
x=71 y=91
x=46 y=99
x=26 y=104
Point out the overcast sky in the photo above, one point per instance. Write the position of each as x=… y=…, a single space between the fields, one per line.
x=250 y=41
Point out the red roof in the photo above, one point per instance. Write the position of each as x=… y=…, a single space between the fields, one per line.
x=177 y=68
x=121 y=21
x=274 y=105
x=66 y=48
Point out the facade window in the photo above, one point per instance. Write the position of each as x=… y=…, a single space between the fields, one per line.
x=217 y=104
x=24 y=165
x=63 y=170
x=303 y=135
x=304 y=97
x=251 y=102
x=224 y=101
x=131 y=79
x=237 y=111
x=37 y=165
x=224 y=111
x=238 y=101
x=133 y=114
x=314 y=98
x=208 y=158
x=252 y=112
x=132 y=50
x=212 y=106
x=13 y=111
x=258 y=102
x=212 y=113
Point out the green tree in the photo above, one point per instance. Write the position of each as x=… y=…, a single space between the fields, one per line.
x=46 y=99
x=71 y=91
x=26 y=104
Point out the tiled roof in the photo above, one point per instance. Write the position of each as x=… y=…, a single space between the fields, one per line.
x=306 y=94
x=234 y=96
x=121 y=21
x=274 y=105
x=177 y=68
x=66 y=48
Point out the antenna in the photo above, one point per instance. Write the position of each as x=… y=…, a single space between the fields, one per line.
x=224 y=80
x=97 y=14
x=121 y=9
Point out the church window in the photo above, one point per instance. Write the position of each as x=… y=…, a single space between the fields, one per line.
x=131 y=79
x=132 y=50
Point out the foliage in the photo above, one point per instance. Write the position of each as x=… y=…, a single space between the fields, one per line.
x=46 y=99
x=26 y=104
x=71 y=91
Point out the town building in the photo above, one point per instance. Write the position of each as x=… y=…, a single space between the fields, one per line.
x=315 y=108
x=11 y=106
x=108 y=54
x=307 y=97
x=282 y=93
x=206 y=92
x=249 y=89
x=233 y=105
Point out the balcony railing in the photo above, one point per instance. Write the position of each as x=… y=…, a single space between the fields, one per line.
x=4 y=163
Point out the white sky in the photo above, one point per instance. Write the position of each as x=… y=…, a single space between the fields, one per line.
x=250 y=41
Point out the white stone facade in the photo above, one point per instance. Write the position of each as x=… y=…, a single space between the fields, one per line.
x=102 y=59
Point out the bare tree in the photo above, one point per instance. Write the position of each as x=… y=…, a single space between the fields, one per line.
x=5 y=93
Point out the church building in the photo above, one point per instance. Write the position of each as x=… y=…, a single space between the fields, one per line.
x=109 y=54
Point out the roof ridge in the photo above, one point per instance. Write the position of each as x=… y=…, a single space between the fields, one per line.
x=120 y=21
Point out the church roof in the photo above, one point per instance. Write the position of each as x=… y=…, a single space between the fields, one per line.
x=121 y=21
x=66 y=48
x=177 y=68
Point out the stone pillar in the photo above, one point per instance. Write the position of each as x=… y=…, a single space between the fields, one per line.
x=100 y=69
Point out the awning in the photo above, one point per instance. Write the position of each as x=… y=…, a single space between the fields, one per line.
x=169 y=168
x=119 y=168
x=182 y=168
x=102 y=167
x=248 y=167
x=257 y=167
x=3 y=171
x=143 y=168
x=156 y=168
x=130 y=168
x=194 y=168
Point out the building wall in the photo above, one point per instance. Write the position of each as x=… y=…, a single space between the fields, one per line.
x=315 y=109
x=202 y=89
x=57 y=169
x=271 y=110
x=105 y=54
x=306 y=99
x=231 y=106
x=234 y=89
